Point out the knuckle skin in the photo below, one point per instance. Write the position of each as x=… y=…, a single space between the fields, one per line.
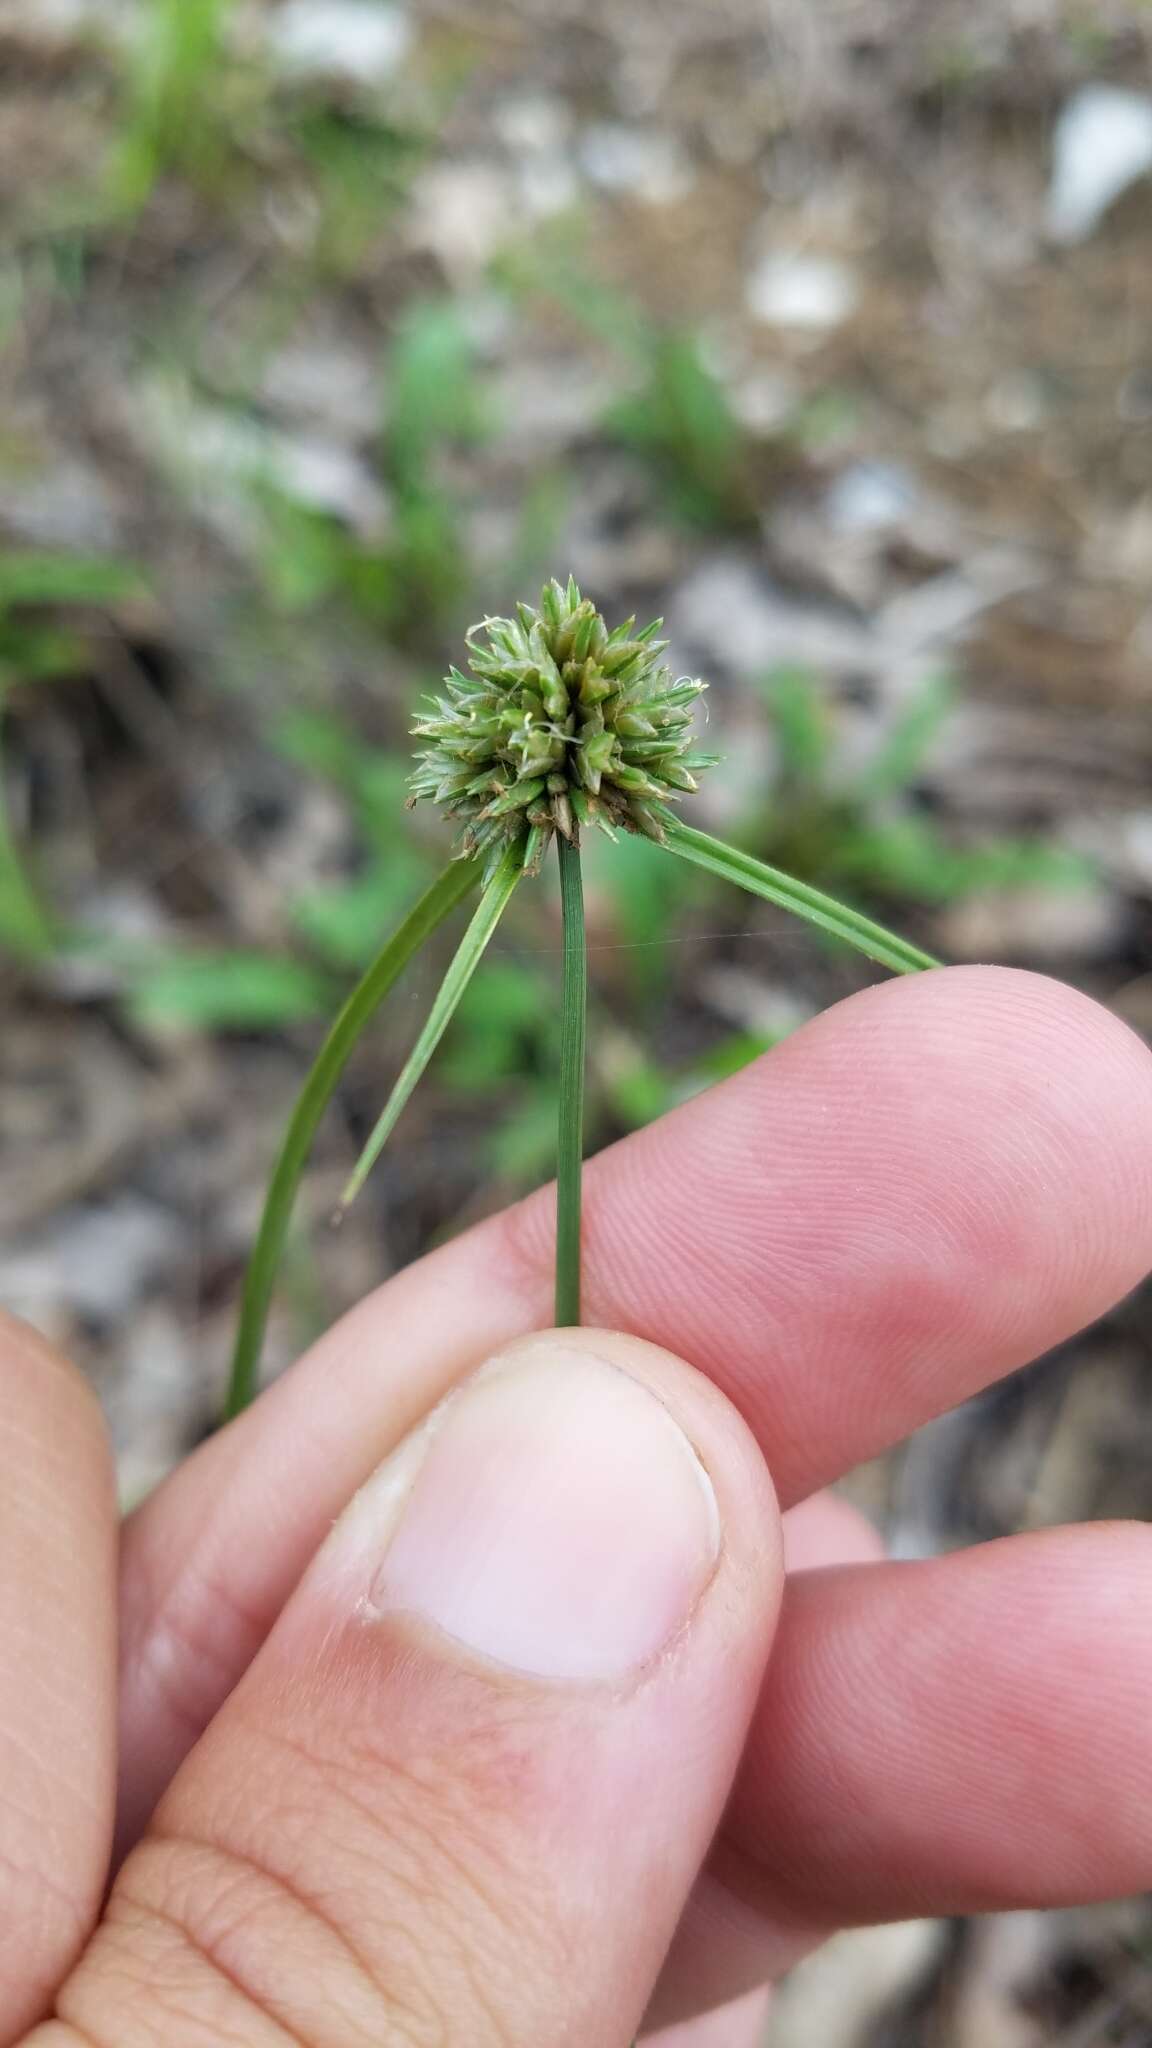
x=200 y=1945
x=57 y=1687
x=46 y=1918
x=185 y=1650
x=320 y=1845
x=57 y=2034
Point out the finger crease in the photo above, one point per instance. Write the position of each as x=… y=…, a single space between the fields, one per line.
x=276 y=1881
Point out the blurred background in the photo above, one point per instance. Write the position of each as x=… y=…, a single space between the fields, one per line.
x=327 y=326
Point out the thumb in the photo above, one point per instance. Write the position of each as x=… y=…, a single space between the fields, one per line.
x=464 y=1790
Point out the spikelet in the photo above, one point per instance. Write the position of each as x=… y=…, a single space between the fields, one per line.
x=557 y=724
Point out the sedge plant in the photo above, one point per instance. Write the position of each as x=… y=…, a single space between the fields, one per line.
x=556 y=727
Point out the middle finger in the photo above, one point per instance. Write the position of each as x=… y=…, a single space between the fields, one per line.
x=911 y=1197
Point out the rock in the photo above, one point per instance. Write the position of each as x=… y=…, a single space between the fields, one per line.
x=1102 y=144
x=763 y=400
x=54 y=23
x=1136 y=833
x=1043 y=925
x=95 y=1260
x=158 y=1400
x=220 y=451
x=870 y=496
x=67 y=504
x=638 y=161
x=360 y=41
x=1017 y=403
x=463 y=211
x=552 y=402
x=1005 y=1956
x=547 y=185
x=116 y=918
x=327 y=384
x=535 y=129
x=836 y=1996
x=751 y=1003
x=942 y=610
x=1120 y=543
x=331 y=478
x=798 y=288
x=533 y=123
x=726 y=612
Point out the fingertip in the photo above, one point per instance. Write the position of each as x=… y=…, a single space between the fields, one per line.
x=32 y=1363
x=1031 y=1024
x=1068 y=1107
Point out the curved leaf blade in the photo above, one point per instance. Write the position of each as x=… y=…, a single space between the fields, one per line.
x=437 y=903
x=788 y=893
x=467 y=958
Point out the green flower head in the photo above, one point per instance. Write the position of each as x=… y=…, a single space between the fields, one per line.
x=557 y=724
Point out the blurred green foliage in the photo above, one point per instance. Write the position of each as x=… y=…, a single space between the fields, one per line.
x=307 y=176
x=360 y=163
x=673 y=410
x=679 y=417
x=345 y=921
x=225 y=990
x=180 y=91
x=417 y=575
x=856 y=826
x=46 y=603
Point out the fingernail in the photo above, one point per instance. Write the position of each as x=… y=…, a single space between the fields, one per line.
x=556 y=1519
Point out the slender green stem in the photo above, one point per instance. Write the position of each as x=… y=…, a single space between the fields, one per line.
x=25 y=926
x=570 y=1151
x=465 y=961
x=800 y=898
x=458 y=879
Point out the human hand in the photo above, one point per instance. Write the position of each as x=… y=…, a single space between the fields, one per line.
x=451 y=1770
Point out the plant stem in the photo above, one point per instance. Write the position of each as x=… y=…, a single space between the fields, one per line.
x=570 y=1149
x=437 y=903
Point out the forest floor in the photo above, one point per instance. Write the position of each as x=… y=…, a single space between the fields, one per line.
x=327 y=327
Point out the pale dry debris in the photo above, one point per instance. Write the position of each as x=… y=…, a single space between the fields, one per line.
x=1102 y=145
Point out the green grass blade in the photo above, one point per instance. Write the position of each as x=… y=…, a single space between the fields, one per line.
x=570 y=1150
x=467 y=959
x=26 y=930
x=799 y=897
x=458 y=879
x=901 y=756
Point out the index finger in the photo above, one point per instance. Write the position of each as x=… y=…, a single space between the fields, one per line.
x=912 y=1196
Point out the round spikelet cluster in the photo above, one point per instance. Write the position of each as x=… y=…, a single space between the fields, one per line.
x=557 y=724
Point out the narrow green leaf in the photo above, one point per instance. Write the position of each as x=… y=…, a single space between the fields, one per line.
x=799 y=722
x=25 y=927
x=570 y=1150
x=32 y=577
x=469 y=953
x=243 y=990
x=437 y=903
x=790 y=894
x=900 y=757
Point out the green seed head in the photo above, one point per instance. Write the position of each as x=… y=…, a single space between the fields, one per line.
x=557 y=724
